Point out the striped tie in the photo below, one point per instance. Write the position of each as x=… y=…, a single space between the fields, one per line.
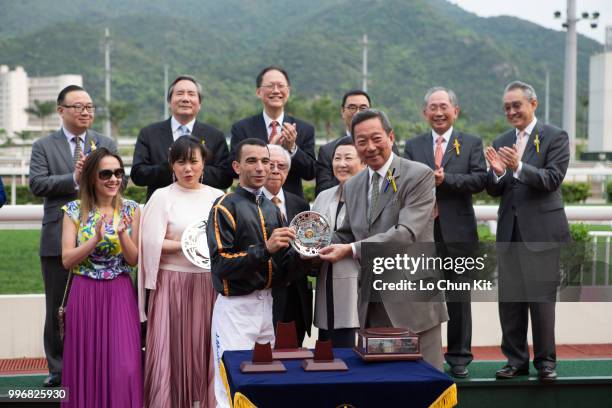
x=374 y=193
x=77 y=149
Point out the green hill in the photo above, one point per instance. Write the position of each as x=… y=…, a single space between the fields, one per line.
x=413 y=45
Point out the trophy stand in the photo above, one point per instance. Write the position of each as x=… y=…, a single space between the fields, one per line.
x=324 y=359
x=262 y=361
x=387 y=344
x=286 y=345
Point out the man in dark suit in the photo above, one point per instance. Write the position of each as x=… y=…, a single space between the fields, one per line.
x=55 y=170
x=527 y=166
x=275 y=126
x=292 y=303
x=352 y=102
x=150 y=165
x=460 y=171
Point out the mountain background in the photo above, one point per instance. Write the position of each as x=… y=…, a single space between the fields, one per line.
x=413 y=45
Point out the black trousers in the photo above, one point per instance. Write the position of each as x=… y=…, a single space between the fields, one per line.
x=55 y=277
x=527 y=282
x=458 y=304
x=340 y=337
x=287 y=307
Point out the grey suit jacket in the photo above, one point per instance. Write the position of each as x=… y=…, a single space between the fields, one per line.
x=345 y=272
x=404 y=216
x=464 y=174
x=51 y=177
x=534 y=198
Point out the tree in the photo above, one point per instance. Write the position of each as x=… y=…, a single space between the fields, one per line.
x=324 y=113
x=119 y=111
x=41 y=110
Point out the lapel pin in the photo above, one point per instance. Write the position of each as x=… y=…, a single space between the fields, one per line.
x=391 y=180
x=536 y=142
x=457 y=147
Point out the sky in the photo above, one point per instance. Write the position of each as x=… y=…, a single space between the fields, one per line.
x=541 y=12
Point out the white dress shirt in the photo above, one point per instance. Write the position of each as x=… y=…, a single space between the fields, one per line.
x=175 y=125
x=281 y=196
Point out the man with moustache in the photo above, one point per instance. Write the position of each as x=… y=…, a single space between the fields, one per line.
x=250 y=255
x=293 y=302
x=352 y=102
x=460 y=170
x=150 y=166
x=55 y=169
x=275 y=126
x=402 y=214
x=527 y=166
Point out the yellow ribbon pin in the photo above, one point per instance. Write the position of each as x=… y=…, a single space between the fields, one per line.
x=92 y=145
x=536 y=142
x=391 y=181
x=457 y=146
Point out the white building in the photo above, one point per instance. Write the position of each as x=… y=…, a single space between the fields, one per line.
x=13 y=99
x=600 y=99
x=17 y=92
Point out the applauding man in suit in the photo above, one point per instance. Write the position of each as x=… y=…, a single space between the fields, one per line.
x=352 y=102
x=150 y=165
x=55 y=170
x=527 y=166
x=275 y=126
x=402 y=214
x=293 y=302
x=460 y=170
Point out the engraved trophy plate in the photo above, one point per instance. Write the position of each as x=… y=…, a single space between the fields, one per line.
x=312 y=232
x=195 y=245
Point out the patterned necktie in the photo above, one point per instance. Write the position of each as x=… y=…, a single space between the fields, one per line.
x=183 y=130
x=277 y=202
x=374 y=193
x=522 y=142
x=438 y=153
x=77 y=150
x=274 y=131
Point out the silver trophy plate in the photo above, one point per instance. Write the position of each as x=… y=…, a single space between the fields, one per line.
x=312 y=232
x=195 y=244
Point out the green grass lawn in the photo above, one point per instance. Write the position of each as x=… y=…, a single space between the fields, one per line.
x=20 y=264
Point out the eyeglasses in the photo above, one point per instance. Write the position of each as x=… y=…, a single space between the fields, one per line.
x=270 y=87
x=78 y=108
x=279 y=166
x=355 y=108
x=106 y=174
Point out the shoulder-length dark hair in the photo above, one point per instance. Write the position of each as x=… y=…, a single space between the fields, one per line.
x=89 y=177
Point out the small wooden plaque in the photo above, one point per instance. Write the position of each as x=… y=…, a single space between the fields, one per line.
x=291 y=354
x=249 y=367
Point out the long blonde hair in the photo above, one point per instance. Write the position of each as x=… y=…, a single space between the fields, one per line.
x=89 y=177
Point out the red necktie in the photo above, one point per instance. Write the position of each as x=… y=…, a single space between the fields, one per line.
x=274 y=132
x=438 y=153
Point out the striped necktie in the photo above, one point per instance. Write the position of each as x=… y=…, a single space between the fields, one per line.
x=77 y=150
x=374 y=194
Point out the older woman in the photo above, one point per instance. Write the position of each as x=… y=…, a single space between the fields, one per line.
x=179 y=366
x=102 y=357
x=336 y=293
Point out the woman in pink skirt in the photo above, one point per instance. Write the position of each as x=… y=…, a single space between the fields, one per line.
x=102 y=357
x=178 y=360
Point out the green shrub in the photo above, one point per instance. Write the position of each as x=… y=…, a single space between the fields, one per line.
x=309 y=191
x=24 y=195
x=138 y=194
x=575 y=192
x=484 y=198
x=609 y=191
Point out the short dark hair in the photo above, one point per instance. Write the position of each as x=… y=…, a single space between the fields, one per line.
x=183 y=148
x=271 y=68
x=70 y=88
x=371 y=114
x=355 y=92
x=345 y=141
x=251 y=141
x=184 y=78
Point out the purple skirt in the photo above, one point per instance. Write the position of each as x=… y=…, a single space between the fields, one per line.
x=102 y=352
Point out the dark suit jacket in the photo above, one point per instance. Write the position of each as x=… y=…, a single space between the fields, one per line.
x=464 y=174
x=294 y=205
x=51 y=177
x=303 y=163
x=2 y=193
x=535 y=197
x=150 y=165
x=325 y=172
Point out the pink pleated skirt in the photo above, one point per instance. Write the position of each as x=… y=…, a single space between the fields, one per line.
x=102 y=353
x=179 y=365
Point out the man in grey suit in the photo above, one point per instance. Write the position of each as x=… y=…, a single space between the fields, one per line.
x=527 y=166
x=460 y=170
x=386 y=215
x=55 y=169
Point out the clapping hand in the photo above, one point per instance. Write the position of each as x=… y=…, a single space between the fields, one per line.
x=288 y=136
x=78 y=168
x=100 y=228
x=495 y=162
x=124 y=225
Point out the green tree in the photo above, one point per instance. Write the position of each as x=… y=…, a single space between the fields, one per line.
x=119 y=111
x=323 y=113
x=42 y=110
